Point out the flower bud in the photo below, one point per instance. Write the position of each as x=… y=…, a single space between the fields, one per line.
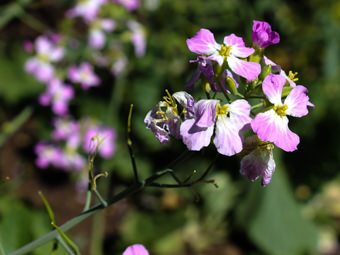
x=231 y=85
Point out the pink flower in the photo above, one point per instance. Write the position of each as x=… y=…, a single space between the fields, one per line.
x=88 y=9
x=272 y=125
x=136 y=249
x=58 y=95
x=138 y=37
x=228 y=121
x=40 y=65
x=48 y=154
x=64 y=128
x=130 y=5
x=84 y=75
x=231 y=51
x=263 y=35
x=98 y=27
x=100 y=138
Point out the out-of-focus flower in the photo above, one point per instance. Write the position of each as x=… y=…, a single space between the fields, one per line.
x=71 y=160
x=100 y=138
x=164 y=120
x=232 y=51
x=272 y=125
x=119 y=65
x=138 y=37
x=98 y=27
x=263 y=35
x=64 y=128
x=136 y=249
x=229 y=118
x=87 y=9
x=28 y=46
x=258 y=160
x=130 y=5
x=48 y=154
x=84 y=75
x=40 y=65
x=58 y=95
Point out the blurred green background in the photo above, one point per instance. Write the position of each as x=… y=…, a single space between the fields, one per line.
x=297 y=213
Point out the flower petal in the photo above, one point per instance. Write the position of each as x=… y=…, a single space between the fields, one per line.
x=272 y=88
x=248 y=70
x=203 y=42
x=239 y=113
x=271 y=127
x=227 y=138
x=241 y=52
x=195 y=137
x=136 y=249
x=252 y=165
x=233 y=40
x=269 y=169
x=297 y=102
x=205 y=112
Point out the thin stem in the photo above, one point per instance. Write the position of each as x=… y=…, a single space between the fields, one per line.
x=88 y=199
x=129 y=144
x=100 y=198
x=65 y=246
x=97 y=235
x=256 y=106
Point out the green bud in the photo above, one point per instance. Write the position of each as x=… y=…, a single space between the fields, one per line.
x=205 y=84
x=231 y=86
x=266 y=70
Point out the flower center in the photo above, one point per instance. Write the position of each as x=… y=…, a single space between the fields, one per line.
x=43 y=57
x=222 y=110
x=292 y=76
x=281 y=110
x=225 y=50
x=265 y=146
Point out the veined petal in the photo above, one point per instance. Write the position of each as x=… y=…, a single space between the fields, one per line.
x=233 y=40
x=239 y=113
x=205 y=112
x=252 y=165
x=272 y=87
x=241 y=52
x=271 y=127
x=195 y=137
x=227 y=139
x=248 y=70
x=297 y=102
x=203 y=42
x=269 y=168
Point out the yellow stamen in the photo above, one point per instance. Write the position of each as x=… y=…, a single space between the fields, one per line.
x=169 y=100
x=222 y=110
x=281 y=109
x=292 y=76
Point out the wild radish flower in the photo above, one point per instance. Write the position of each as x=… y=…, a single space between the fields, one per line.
x=230 y=52
x=206 y=68
x=130 y=5
x=272 y=125
x=138 y=37
x=136 y=249
x=58 y=95
x=41 y=65
x=263 y=35
x=48 y=154
x=98 y=27
x=228 y=119
x=87 y=9
x=64 y=128
x=84 y=75
x=258 y=160
x=71 y=160
x=119 y=65
x=164 y=120
x=100 y=138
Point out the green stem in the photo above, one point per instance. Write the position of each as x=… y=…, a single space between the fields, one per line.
x=100 y=198
x=97 y=236
x=65 y=246
x=88 y=199
x=256 y=106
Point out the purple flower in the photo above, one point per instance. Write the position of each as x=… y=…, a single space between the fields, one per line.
x=58 y=95
x=71 y=160
x=84 y=75
x=100 y=138
x=40 y=65
x=164 y=120
x=206 y=68
x=228 y=121
x=98 y=28
x=258 y=161
x=138 y=37
x=272 y=125
x=232 y=50
x=64 y=129
x=136 y=249
x=48 y=154
x=28 y=46
x=130 y=5
x=88 y=9
x=263 y=35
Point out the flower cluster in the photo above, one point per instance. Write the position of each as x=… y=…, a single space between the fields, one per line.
x=253 y=118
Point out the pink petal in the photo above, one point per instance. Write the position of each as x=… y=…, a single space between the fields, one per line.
x=241 y=52
x=272 y=87
x=205 y=112
x=269 y=169
x=96 y=39
x=227 y=139
x=233 y=40
x=297 y=102
x=248 y=70
x=271 y=127
x=194 y=137
x=203 y=42
x=136 y=249
x=239 y=113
